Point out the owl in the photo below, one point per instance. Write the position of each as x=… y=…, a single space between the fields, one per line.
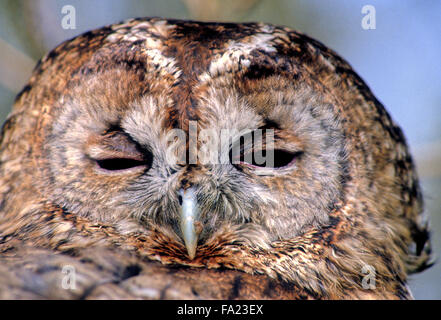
x=181 y=159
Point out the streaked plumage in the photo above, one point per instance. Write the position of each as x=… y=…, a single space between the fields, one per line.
x=349 y=197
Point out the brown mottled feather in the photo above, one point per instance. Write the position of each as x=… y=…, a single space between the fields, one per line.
x=359 y=198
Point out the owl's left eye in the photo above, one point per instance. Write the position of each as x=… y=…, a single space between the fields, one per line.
x=114 y=164
x=117 y=151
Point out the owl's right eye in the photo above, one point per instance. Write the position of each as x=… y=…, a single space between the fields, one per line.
x=115 y=164
x=117 y=151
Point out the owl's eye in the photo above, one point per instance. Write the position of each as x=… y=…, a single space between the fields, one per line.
x=119 y=163
x=244 y=152
x=276 y=158
x=282 y=158
x=117 y=151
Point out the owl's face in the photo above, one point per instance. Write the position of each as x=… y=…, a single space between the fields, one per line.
x=245 y=146
x=131 y=139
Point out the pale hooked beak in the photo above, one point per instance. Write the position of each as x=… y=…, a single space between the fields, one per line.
x=188 y=216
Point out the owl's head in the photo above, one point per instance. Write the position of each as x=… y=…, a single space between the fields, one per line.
x=197 y=129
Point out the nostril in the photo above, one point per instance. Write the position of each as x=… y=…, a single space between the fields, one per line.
x=180 y=200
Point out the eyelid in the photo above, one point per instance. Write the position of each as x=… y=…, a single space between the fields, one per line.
x=113 y=145
x=99 y=153
x=287 y=149
x=282 y=141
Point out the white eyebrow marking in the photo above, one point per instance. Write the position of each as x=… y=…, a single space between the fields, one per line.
x=150 y=32
x=237 y=54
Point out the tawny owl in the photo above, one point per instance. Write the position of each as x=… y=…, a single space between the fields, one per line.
x=104 y=170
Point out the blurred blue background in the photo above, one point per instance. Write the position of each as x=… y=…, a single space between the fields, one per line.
x=400 y=60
